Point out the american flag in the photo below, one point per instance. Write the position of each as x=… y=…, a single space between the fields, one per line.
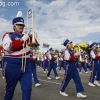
x=45 y=45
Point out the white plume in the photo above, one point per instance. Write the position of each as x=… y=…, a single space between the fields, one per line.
x=90 y=42
x=98 y=45
x=19 y=14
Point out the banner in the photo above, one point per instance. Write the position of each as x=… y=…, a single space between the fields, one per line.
x=45 y=45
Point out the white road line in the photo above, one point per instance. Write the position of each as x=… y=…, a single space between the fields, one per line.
x=50 y=82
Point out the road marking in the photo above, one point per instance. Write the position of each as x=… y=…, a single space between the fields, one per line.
x=50 y=82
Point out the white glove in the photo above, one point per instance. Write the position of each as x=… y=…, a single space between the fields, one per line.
x=25 y=37
x=99 y=54
x=27 y=31
x=86 y=56
x=55 y=56
x=77 y=54
x=34 y=57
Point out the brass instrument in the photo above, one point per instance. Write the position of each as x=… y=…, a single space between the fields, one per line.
x=30 y=15
x=34 y=42
x=36 y=53
x=56 y=58
x=76 y=50
x=1 y=57
x=98 y=49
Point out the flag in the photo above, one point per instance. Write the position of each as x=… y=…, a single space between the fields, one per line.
x=45 y=45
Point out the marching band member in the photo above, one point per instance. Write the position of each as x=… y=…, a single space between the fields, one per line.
x=43 y=62
x=46 y=62
x=61 y=62
x=2 y=63
x=1 y=58
x=33 y=65
x=14 y=44
x=98 y=72
x=38 y=61
x=52 y=64
x=95 y=66
x=83 y=63
x=88 y=62
x=71 y=71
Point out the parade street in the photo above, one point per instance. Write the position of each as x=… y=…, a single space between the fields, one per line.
x=49 y=89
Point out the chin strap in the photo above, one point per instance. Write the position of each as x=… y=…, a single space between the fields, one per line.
x=17 y=28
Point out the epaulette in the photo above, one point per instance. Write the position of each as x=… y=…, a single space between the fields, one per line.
x=7 y=33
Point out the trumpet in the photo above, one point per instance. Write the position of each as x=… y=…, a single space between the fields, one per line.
x=34 y=42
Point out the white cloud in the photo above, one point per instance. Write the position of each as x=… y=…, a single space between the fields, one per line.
x=60 y=19
x=5 y=26
x=65 y=19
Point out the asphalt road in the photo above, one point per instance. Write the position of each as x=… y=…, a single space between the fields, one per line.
x=49 y=89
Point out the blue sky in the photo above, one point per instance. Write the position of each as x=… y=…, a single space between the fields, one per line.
x=56 y=20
